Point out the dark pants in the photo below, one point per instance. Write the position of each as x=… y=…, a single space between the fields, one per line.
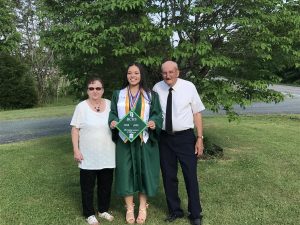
x=180 y=147
x=87 y=182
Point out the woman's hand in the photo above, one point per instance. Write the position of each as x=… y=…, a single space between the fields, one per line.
x=78 y=156
x=113 y=124
x=151 y=124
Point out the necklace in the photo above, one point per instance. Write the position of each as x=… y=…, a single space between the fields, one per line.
x=96 y=107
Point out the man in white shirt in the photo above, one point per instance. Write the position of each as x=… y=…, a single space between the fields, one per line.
x=181 y=106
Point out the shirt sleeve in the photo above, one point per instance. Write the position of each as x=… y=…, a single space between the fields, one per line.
x=77 y=118
x=197 y=105
x=154 y=88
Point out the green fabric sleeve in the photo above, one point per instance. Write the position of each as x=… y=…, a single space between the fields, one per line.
x=156 y=116
x=113 y=114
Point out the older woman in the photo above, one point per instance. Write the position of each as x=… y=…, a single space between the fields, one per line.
x=137 y=162
x=94 y=150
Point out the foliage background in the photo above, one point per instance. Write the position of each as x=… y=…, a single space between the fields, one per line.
x=231 y=50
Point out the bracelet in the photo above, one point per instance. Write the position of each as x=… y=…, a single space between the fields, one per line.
x=200 y=137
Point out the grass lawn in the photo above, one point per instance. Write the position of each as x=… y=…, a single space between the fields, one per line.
x=64 y=107
x=257 y=181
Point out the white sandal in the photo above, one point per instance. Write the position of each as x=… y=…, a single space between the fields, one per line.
x=130 y=219
x=141 y=219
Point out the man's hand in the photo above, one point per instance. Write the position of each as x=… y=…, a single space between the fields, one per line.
x=199 y=147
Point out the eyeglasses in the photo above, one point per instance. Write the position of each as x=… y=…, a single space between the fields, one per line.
x=171 y=73
x=97 y=88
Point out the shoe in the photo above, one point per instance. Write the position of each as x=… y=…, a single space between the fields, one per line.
x=130 y=219
x=196 y=221
x=141 y=219
x=92 y=220
x=173 y=217
x=106 y=215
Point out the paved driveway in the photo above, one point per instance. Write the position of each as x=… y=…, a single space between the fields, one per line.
x=291 y=104
x=12 y=131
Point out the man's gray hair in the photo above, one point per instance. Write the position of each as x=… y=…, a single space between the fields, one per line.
x=171 y=62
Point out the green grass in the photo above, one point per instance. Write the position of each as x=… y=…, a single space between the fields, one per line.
x=36 y=113
x=257 y=181
x=62 y=107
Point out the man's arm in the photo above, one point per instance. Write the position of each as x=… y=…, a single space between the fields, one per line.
x=199 y=143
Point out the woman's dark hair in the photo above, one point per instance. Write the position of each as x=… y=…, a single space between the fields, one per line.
x=143 y=83
x=91 y=80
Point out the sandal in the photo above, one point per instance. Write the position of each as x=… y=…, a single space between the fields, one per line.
x=141 y=219
x=130 y=214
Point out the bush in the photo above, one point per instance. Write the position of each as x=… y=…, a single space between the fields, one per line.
x=211 y=150
x=17 y=88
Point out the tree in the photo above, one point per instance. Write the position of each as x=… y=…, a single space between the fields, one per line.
x=291 y=76
x=9 y=37
x=230 y=49
x=99 y=37
x=17 y=88
x=39 y=58
x=243 y=42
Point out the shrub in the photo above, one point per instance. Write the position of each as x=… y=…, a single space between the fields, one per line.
x=17 y=88
x=211 y=150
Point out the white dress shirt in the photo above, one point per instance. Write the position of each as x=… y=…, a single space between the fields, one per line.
x=185 y=103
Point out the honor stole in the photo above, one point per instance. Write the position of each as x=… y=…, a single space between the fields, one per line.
x=123 y=107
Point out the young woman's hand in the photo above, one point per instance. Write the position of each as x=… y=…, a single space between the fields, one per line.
x=113 y=124
x=151 y=124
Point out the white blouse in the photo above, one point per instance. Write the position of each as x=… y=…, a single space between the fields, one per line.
x=95 y=142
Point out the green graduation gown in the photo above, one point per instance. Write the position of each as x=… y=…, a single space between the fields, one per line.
x=137 y=163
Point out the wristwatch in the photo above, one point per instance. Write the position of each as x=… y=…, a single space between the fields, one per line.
x=200 y=137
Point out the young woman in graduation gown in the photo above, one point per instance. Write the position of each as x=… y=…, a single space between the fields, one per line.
x=137 y=162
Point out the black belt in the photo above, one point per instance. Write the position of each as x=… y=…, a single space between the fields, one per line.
x=177 y=132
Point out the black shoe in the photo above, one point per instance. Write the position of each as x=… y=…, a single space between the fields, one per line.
x=173 y=217
x=196 y=221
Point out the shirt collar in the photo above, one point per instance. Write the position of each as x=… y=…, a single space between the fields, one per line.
x=176 y=86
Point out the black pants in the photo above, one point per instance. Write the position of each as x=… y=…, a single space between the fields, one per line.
x=87 y=182
x=180 y=147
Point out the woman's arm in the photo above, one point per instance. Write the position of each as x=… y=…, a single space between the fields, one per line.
x=75 y=141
